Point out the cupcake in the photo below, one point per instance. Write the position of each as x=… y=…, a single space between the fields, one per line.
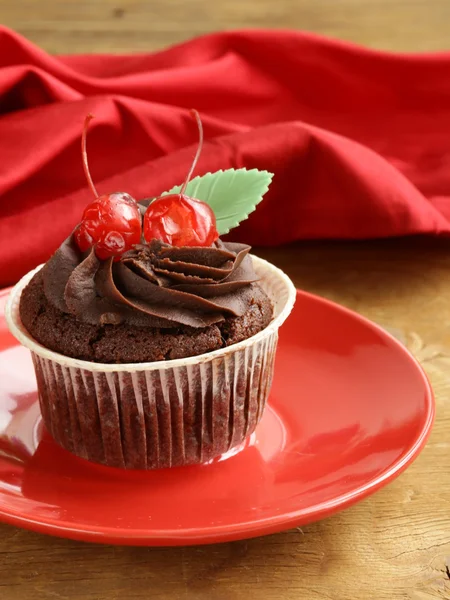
x=153 y=340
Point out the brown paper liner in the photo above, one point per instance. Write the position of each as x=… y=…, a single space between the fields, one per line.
x=157 y=418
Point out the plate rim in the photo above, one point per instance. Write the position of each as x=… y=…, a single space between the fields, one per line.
x=255 y=527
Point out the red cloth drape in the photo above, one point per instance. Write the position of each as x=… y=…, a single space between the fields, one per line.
x=359 y=140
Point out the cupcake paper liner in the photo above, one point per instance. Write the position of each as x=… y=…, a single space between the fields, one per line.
x=158 y=414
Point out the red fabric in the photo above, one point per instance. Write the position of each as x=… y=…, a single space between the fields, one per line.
x=359 y=141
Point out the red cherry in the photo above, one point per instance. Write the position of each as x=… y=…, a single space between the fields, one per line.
x=112 y=223
x=179 y=220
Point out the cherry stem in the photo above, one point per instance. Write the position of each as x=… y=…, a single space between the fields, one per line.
x=196 y=116
x=84 y=154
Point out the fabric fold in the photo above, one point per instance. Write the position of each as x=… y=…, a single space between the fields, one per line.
x=357 y=139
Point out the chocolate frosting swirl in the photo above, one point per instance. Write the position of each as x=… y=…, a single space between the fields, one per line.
x=154 y=285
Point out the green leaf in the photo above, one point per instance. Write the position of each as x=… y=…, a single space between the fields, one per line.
x=232 y=194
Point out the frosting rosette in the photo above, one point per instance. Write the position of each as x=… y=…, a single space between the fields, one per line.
x=152 y=285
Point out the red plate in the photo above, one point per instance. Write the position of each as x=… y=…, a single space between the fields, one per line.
x=350 y=409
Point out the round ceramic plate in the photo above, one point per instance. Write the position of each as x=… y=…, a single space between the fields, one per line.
x=349 y=410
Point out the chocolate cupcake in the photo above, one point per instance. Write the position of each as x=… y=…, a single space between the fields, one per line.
x=154 y=341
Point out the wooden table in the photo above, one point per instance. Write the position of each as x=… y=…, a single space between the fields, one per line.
x=122 y=25
x=394 y=545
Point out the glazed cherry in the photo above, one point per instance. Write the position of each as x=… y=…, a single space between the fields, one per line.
x=112 y=223
x=178 y=219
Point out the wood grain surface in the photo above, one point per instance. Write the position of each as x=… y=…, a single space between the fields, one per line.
x=394 y=545
x=68 y=26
